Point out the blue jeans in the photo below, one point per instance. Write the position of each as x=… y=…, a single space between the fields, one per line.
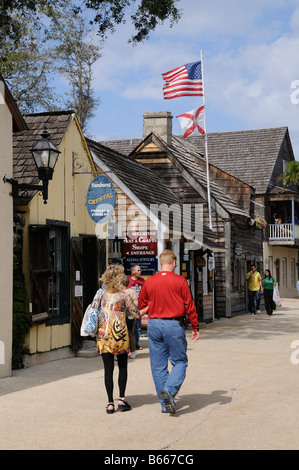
x=137 y=331
x=167 y=341
x=254 y=299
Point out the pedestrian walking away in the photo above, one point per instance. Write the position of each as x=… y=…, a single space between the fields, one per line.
x=255 y=287
x=113 y=339
x=131 y=321
x=168 y=297
x=268 y=284
x=136 y=282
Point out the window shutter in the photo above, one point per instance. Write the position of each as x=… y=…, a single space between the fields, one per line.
x=39 y=272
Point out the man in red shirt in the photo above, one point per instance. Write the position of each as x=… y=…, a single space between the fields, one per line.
x=136 y=282
x=168 y=297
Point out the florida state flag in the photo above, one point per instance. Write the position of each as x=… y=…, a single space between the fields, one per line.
x=192 y=122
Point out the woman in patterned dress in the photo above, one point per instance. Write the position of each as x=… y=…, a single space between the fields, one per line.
x=113 y=339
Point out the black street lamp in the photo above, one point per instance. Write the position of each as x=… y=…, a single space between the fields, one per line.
x=45 y=155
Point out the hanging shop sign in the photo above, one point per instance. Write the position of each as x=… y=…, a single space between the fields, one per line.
x=140 y=243
x=200 y=261
x=100 y=199
x=238 y=249
x=148 y=264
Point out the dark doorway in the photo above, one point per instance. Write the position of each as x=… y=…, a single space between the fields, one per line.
x=88 y=262
x=90 y=270
x=198 y=282
x=277 y=263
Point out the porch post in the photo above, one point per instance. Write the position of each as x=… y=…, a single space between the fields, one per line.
x=228 y=303
x=293 y=218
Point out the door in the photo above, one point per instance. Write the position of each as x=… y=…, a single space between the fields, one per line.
x=88 y=262
x=76 y=290
x=199 y=282
x=90 y=270
x=39 y=273
x=59 y=285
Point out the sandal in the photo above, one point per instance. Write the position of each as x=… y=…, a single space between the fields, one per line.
x=109 y=412
x=125 y=406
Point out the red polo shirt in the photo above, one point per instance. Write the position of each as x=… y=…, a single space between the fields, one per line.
x=168 y=296
x=136 y=284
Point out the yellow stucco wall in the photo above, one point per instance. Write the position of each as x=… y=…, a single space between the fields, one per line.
x=67 y=191
x=287 y=285
x=66 y=203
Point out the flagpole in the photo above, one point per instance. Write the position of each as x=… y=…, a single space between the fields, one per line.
x=206 y=143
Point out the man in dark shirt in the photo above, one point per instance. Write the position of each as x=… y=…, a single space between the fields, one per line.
x=136 y=282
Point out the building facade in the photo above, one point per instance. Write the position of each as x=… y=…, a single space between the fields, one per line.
x=10 y=121
x=61 y=254
x=148 y=219
x=182 y=168
x=247 y=166
x=258 y=158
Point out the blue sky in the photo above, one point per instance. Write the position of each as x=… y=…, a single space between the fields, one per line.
x=251 y=61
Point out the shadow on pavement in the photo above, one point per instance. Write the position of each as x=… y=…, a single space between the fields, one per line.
x=187 y=403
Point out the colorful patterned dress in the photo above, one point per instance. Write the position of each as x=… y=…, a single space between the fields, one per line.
x=113 y=332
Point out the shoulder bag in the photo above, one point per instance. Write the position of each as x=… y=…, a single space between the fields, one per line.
x=90 y=322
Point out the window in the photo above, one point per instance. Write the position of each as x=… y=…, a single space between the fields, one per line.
x=237 y=274
x=59 y=279
x=39 y=271
x=49 y=275
x=270 y=264
x=284 y=272
x=293 y=272
x=277 y=265
x=115 y=248
x=55 y=283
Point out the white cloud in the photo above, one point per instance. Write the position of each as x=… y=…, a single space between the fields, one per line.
x=250 y=61
x=255 y=84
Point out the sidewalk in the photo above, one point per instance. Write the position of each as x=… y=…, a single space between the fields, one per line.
x=241 y=392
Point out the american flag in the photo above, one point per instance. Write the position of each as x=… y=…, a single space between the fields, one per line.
x=183 y=81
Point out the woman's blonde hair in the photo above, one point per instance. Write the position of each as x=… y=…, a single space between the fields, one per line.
x=113 y=278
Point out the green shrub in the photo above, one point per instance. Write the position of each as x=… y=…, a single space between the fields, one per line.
x=20 y=313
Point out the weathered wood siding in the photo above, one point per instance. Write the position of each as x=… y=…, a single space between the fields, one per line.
x=237 y=190
x=241 y=232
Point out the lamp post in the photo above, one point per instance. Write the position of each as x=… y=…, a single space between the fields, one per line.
x=45 y=156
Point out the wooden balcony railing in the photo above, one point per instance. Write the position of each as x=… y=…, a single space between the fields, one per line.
x=283 y=232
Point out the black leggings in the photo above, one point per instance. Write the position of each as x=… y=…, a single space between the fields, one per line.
x=122 y=360
x=268 y=296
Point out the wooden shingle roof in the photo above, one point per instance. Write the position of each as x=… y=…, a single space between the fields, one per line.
x=123 y=146
x=248 y=155
x=143 y=183
x=192 y=162
x=24 y=168
x=141 y=180
x=185 y=156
